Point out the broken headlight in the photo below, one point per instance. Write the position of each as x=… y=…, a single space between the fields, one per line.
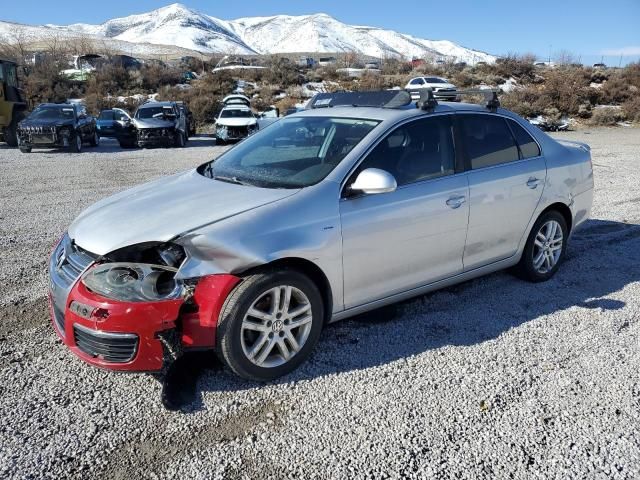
x=134 y=282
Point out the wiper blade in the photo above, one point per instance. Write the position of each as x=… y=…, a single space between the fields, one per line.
x=234 y=180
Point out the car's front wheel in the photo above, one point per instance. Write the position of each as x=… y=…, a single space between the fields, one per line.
x=270 y=324
x=76 y=143
x=95 y=139
x=545 y=247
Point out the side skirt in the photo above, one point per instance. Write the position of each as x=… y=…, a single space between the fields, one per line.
x=415 y=292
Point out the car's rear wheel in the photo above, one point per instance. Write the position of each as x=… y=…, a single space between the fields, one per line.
x=25 y=149
x=270 y=324
x=180 y=141
x=545 y=248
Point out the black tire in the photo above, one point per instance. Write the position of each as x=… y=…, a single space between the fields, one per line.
x=180 y=141
x=95 y=139
x=526 y=269
x=75 y=145
x=25 y=149
x=229 y=335
x=11 y=132
x=126 y=144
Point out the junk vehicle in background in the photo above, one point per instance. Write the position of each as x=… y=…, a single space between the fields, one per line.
x=117 y=123
x=236 y=120
x=58 y=125
x=160 y=124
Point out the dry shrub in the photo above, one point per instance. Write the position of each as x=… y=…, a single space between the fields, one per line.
x=631 y=109
x=512 y=65
x=606 y=116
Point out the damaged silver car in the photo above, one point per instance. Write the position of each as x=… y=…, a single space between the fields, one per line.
x=362 y=200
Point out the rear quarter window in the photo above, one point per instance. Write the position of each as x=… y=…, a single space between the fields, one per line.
x=488 y=140
x=528 y=146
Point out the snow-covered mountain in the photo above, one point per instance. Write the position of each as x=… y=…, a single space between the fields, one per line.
x=186 y=28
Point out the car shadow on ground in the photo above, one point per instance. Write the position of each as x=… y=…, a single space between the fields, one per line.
x=600 y=261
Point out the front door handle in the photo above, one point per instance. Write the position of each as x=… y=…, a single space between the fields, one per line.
x=533 y=182
x=456 y=202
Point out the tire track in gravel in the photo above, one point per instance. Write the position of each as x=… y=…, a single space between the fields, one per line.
x=140 y=459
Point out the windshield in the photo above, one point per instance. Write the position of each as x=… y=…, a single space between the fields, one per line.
x=291 y=153
x=154 y=112
x=52 y=113
x=235 y=114
x=106 y=115
x=435 y=80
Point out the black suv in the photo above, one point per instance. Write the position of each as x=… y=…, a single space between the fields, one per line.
x=160 y=124
x=57 y=125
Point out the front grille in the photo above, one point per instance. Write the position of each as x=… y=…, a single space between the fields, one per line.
x=42 y=129
x=71 y=261
x=235 y=132
x=110 y=347
x=58 y=316
x=152 y=133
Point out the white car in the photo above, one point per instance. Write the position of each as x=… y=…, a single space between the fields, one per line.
x=236 y=120
x=441 y=87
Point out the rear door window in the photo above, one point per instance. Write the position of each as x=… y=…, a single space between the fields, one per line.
x=488 y=140
x=528 y=146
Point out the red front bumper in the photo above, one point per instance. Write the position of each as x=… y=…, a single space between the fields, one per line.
x=125 y=335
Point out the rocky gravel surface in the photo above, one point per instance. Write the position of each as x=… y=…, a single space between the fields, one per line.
x=493 y=378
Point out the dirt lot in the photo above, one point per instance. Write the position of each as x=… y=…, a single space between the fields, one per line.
x=491 y=378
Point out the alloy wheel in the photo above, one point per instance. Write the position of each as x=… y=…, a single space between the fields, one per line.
x=547 y=247
x=276 y=326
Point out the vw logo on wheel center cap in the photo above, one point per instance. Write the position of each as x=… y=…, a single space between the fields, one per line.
x=277 y=325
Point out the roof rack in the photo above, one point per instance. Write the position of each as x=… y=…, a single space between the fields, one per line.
x=378 y=98
x=428 y=100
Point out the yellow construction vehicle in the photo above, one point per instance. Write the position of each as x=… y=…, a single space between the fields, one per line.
x=12 y=105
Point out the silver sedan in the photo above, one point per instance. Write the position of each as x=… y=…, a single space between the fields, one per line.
x=325 y=214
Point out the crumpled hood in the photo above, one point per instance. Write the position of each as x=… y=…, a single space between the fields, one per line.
x=154 y=123
x=163 y=209
x=235 y=122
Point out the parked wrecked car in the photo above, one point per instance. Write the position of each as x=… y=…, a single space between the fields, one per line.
x=325 y=214
x=236 y=120
x=116 y=123
x=57 y=125
x=160 y=124
x=442 y=88
x=548 y=125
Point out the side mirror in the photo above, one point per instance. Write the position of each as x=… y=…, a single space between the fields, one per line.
x=374 y=180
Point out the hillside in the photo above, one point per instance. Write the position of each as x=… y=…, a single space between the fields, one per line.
x=179 y=26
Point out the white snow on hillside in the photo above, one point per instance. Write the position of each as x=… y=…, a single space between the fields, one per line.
x=183 y=27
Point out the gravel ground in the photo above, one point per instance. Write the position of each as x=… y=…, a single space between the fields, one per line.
x=494 y=378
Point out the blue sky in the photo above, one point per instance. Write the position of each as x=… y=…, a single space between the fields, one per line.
x=586 y=28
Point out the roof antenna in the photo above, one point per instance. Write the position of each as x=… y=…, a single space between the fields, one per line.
x=427 y=101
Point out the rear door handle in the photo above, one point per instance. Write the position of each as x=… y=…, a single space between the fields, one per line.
x=533 y=182
x=455 y=202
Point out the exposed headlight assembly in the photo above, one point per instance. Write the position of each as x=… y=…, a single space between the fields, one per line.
x=134 y=282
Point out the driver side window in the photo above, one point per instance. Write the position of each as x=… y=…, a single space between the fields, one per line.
x=416 y=151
